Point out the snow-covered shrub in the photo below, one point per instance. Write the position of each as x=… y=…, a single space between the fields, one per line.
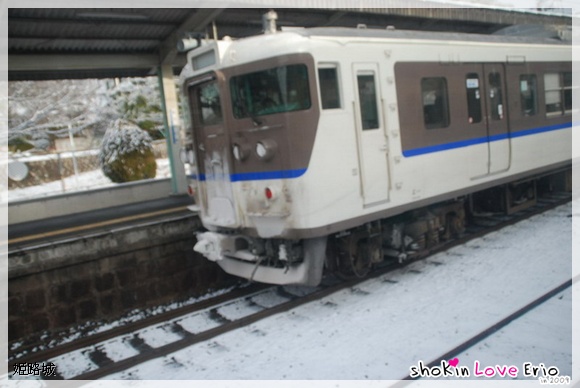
x=126 y=153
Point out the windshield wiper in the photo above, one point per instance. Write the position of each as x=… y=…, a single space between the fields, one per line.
x=245 y=111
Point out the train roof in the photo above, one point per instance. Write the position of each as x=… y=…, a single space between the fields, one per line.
x=212 y=54
x=362 y=33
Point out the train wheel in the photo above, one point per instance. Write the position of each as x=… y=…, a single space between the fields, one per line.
x=455 y=225
x=361 y=258
x=349 y=257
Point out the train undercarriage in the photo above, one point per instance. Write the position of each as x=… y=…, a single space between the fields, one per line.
x=354 y=252
x=411 y=235
x=400 y=238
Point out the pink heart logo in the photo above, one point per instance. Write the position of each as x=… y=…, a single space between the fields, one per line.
x=454 y=361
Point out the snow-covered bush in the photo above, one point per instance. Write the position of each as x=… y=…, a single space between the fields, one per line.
x=138 y=100
x=126 y=154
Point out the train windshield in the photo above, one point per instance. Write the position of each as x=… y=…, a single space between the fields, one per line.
x=278 y=90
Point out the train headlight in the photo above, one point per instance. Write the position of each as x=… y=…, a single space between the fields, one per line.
x=261 y=150
x=266 y=149
x=237 y=152
x=240 y=151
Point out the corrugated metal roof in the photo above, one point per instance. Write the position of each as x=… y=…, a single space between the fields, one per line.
x=58 y=32
x=62 y=45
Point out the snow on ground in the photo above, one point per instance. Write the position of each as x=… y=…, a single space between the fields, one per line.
x=541 y=336
x=386 y=325
x=84 y=181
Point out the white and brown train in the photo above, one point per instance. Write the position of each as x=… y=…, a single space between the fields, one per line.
x=335 y=147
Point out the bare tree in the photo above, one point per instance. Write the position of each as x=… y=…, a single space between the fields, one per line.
x=41 y=110
x=37 y=110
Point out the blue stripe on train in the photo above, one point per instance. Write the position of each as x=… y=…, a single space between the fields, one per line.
x=256 y=176
x=480 y=140
x=289 y=174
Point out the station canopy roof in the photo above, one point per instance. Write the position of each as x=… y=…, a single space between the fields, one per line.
x=56 y=43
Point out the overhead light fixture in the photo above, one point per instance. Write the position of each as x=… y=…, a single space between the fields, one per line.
x=111 y=15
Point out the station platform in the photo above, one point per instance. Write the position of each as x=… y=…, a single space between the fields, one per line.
x=78 y=224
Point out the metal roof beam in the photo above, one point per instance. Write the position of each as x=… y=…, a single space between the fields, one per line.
x=334 y=18
x=58 y=62
x=477 y=15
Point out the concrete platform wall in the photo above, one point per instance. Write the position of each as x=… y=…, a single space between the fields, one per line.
x=106 y=275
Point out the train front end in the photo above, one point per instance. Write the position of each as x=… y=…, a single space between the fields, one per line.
x=253 y=115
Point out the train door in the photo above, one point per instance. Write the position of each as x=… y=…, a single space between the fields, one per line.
x=498 y=136
x=372 y=142
x=212 y=151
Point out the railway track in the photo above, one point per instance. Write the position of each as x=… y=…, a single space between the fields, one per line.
x=122 y=348
x=479 y=337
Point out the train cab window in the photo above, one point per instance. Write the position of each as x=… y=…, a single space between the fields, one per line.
x=208 y=103
x=558 y=93
x=495 y=96
x=435 y=102
x=329 y=91
x=473 y=98
x=528 y=94
x=276 y=90
x=367 y=93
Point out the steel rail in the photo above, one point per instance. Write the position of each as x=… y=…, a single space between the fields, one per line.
x=492 y=329
x=128 y=328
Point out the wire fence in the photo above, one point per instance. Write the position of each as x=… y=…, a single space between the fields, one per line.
x=33 y=176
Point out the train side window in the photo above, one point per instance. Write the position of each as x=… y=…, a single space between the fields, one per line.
x=528 y=94
x=435 y=102
x=558 y=93
x=553 y=94
x=473 y=98
x=495 y=96
x=567 y=81
x=367 y=93
x=329 y=90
